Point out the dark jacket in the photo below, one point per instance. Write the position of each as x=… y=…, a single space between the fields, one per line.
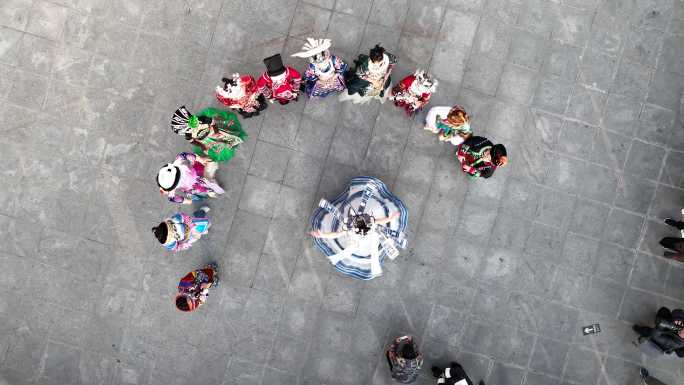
x=470 y=155
x=453 y=374
x=666 y=333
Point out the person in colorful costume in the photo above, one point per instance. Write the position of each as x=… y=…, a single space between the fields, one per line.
x=451 y=124
x=325 y=73
x=404 y=359
x=454 y=374
x=480 y=158
x=279 y=83
x=362 y=227
x=413 y=92
x=214 y=133
x=188 y=179
x=193 y=288
x=242 y=94
x=371 y=78
x=180 y=231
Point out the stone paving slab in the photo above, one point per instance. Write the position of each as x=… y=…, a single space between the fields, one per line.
x=500 y=274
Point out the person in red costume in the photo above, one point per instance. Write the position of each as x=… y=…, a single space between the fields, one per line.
x=279 y=83
x=241 y=93
x=413 y=92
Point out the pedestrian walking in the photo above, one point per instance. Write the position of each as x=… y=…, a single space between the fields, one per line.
x=180 y=231
x=193 y=288
x=454 y=374
x=667 y=334
x=404 y=359
x=646 y=378
x=674 y=246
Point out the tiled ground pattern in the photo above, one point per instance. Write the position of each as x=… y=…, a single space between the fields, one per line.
x=500 y=274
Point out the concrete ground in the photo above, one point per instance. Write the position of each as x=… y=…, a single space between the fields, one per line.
x=500 y=275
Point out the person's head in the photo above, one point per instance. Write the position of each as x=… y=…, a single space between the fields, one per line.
x=499 y=155
x=161 y=232
x=184 y=303
x=457 y=116
x=424 y=82
x=230 y=83
x=408 y=351
x=168 y=177
x=377 y=54
x=320 y=57
x=360 y=223
x=274 y=65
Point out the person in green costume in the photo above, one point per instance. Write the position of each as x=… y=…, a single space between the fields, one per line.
x=212 y=132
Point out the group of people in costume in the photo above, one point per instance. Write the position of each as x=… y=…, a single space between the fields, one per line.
x=365 y=225
x=359 y=229
x=214 y=136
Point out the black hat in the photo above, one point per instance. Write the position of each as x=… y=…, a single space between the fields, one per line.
x=161 y=232
x=274 y=65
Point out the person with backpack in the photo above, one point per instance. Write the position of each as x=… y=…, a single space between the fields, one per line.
x=404 y=359
x=667 y=334
x=454 y=374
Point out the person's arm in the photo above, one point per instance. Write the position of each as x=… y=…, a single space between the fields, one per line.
x=387 y=219
x=487 y=172
x=295 y=78
x=189 y=156
x=324 y=235
x=263 y=86
x=340 y=66
x=310 y=74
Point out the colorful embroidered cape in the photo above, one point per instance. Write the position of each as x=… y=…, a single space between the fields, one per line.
x=470 y=156
x=186 y=230
x=404 y=97
x=248 y=103
x=226 y=135
x=193 y=184
x=283 y=91
x=323 y=83
x=362 y=80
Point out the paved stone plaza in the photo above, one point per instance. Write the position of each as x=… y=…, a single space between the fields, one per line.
x=500 y=274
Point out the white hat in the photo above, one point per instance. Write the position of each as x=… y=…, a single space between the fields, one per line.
x=313 y=47
x=168 y=177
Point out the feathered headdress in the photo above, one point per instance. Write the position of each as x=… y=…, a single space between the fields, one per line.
x=182 y=121
x=426 y=80
x=313 y=47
